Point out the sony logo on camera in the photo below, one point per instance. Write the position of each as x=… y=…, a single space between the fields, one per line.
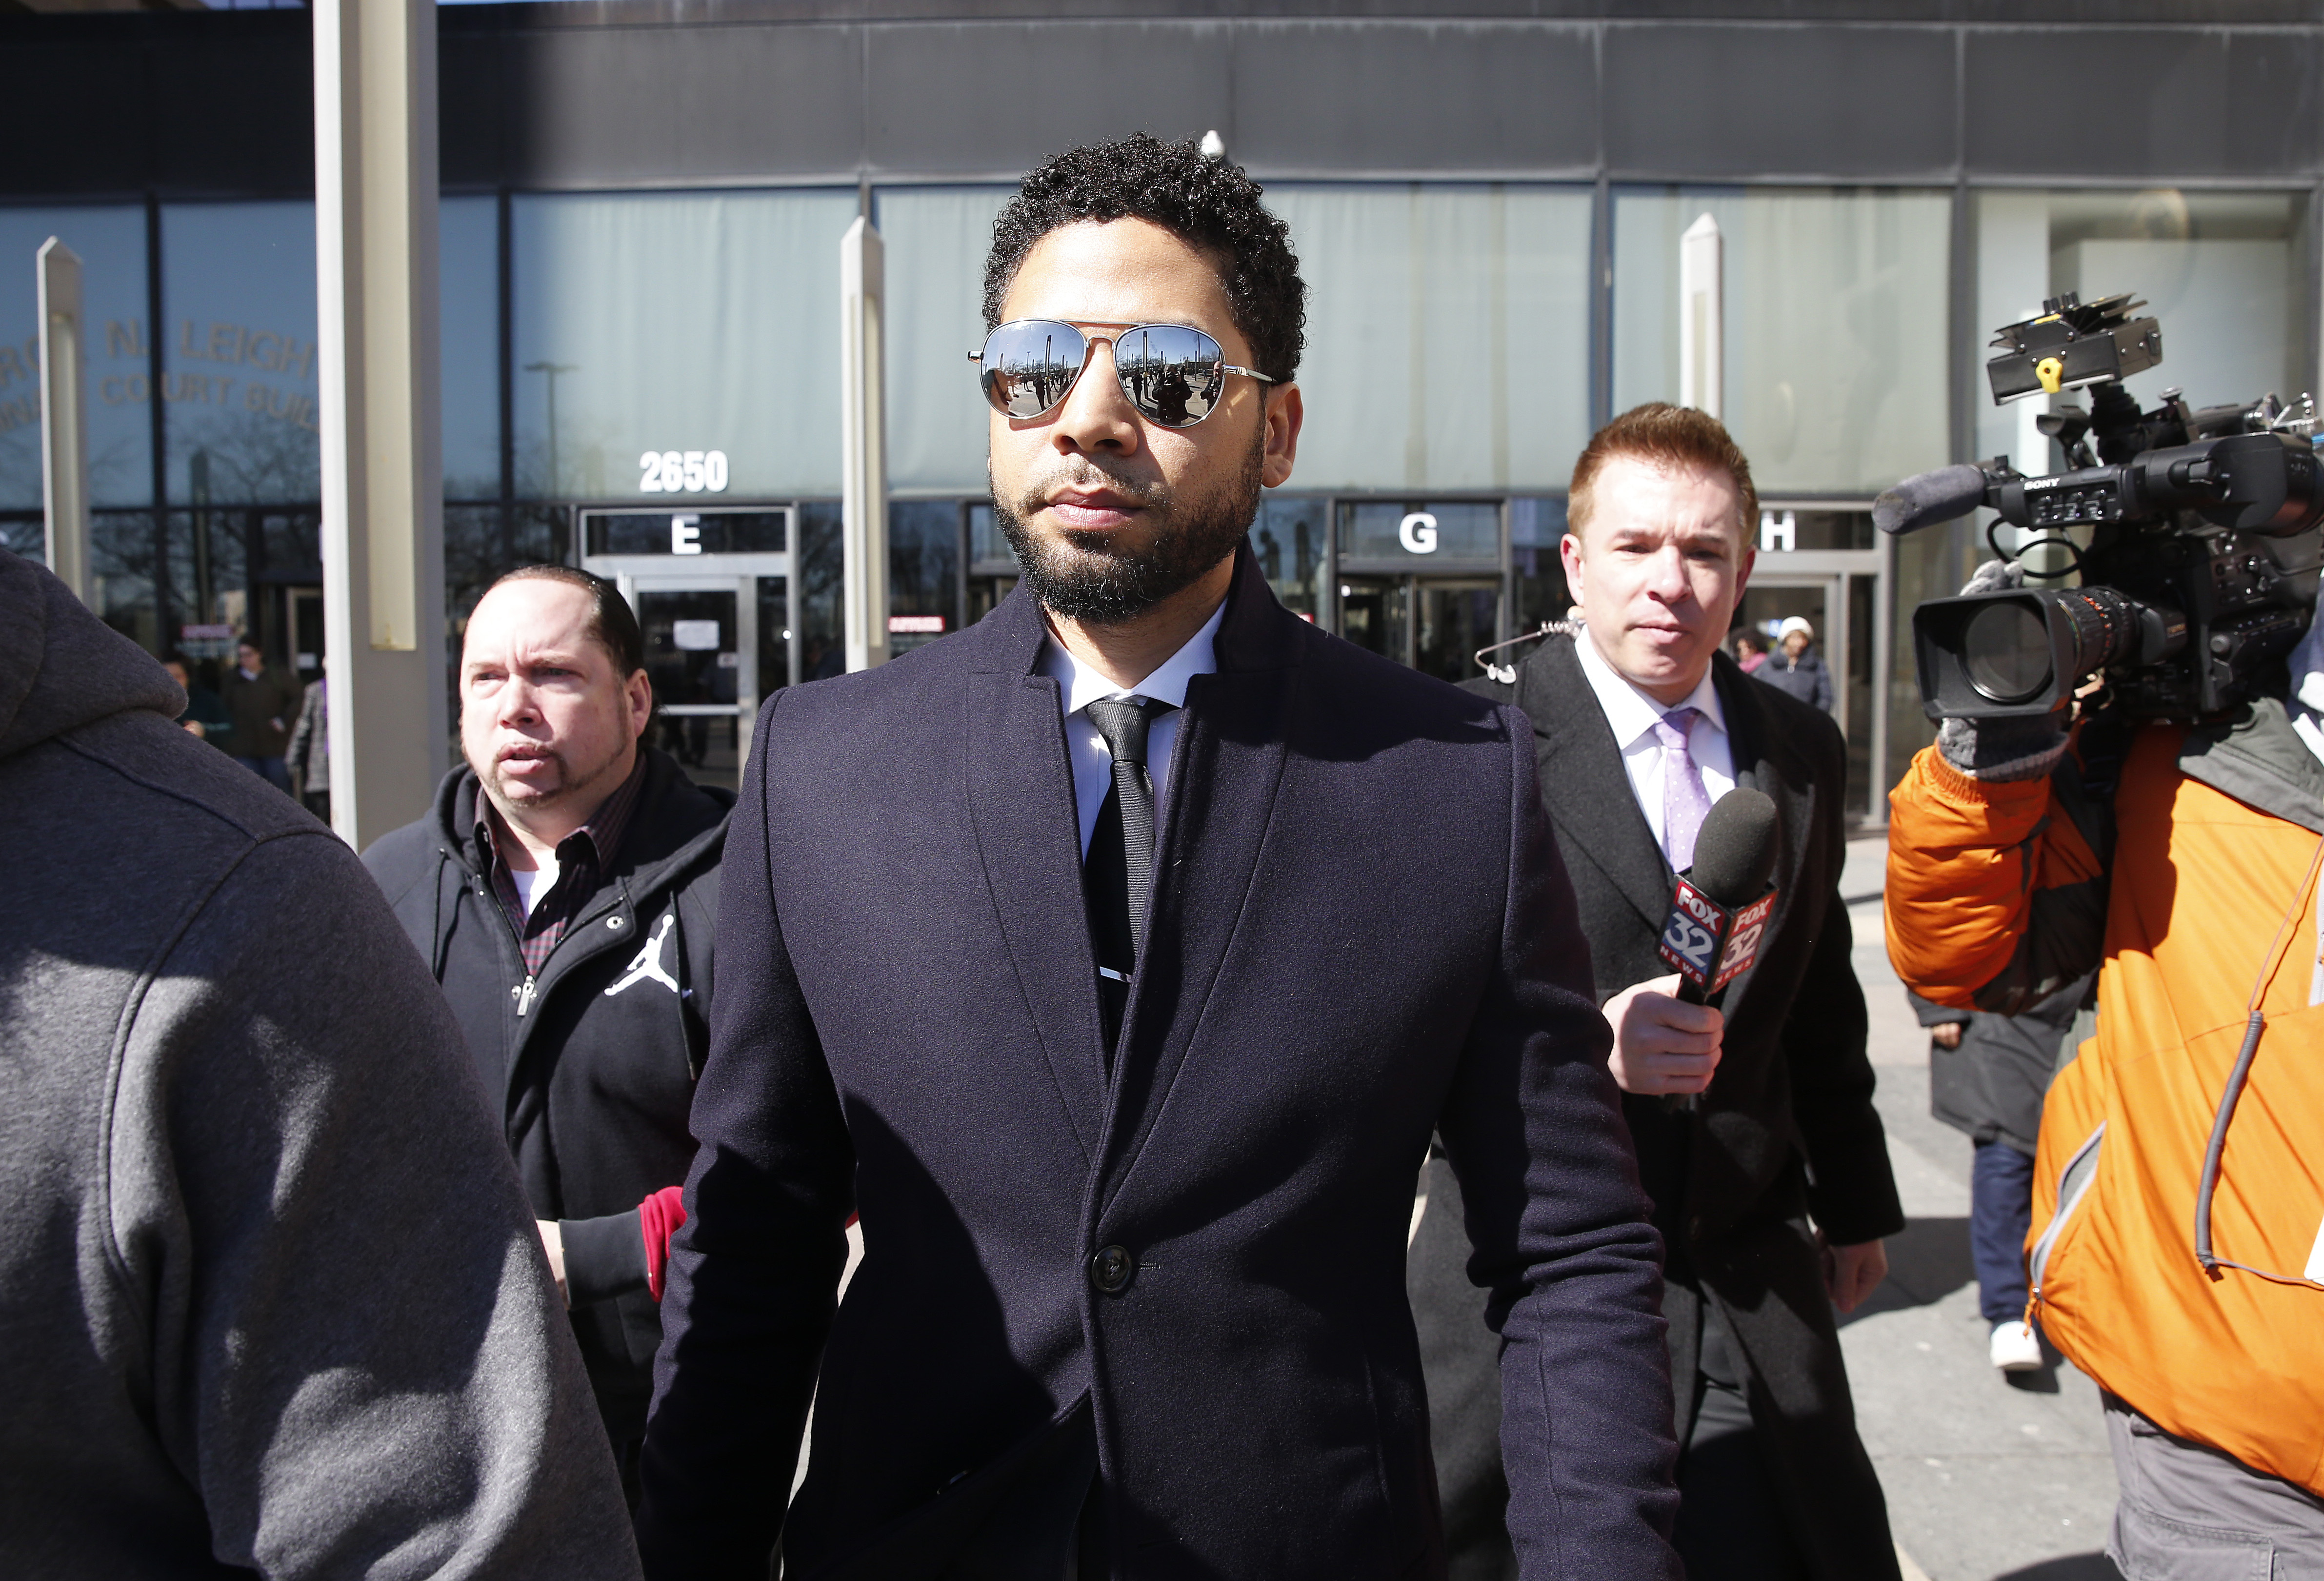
x=1708 y=944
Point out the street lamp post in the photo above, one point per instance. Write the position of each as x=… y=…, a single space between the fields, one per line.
x=552 y=369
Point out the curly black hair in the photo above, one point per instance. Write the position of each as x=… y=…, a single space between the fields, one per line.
x=1211 y=204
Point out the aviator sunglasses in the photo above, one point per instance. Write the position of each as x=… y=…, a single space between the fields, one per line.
x=1171 y=373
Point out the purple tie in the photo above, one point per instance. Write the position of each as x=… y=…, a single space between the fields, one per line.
x=1686 y=803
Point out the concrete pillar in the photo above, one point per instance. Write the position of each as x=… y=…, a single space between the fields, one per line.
x=375 y=176
x=864 y=441
x=64 y=414
x=1703 y=319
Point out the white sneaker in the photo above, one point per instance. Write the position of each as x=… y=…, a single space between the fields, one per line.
x=2014 y=1349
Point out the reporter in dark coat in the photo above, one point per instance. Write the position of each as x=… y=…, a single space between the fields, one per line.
x=1132 y=1302
x=1773 y=1196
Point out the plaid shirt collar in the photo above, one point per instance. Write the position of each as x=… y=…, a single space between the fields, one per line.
x=583 y=857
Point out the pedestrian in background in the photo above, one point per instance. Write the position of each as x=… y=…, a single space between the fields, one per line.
x=308 y=757
x=565 y=889
x=1796 y=670
x=1749 y=648
x=205 y=716
x=261 y=706
x=272 y=1299
x=1988 y=1075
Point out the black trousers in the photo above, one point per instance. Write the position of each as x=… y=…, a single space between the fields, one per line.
x=1049 y=1525
x=1730 y=1524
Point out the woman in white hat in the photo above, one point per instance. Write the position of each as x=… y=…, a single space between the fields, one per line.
x=1796 y=669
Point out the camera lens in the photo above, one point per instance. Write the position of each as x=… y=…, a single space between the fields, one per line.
x=2005 y=649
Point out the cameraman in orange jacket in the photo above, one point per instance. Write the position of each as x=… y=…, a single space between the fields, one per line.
x=2178 y=1235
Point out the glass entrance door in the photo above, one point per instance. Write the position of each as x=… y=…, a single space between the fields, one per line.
x=1375 y=614
x=715 y=646
x=1434 y=624
x=1840 y=610
x=711 y=589
x=306 y=631
x=1771 y=600
x=695 y=658
x=1454 y=619
x=1824 y=562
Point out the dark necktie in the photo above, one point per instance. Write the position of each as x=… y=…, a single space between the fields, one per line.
x=1119 y=870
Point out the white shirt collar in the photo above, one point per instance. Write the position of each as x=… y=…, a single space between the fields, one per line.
x=1082 y=685
x=1631 y=712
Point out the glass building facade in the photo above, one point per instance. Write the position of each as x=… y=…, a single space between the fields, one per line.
x=617 y=347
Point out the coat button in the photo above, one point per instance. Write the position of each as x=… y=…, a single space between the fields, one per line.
x=1111 y=1268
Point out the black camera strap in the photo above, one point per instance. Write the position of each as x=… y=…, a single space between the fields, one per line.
x=2084 y=785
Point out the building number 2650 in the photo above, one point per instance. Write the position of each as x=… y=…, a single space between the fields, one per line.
x=682 y=472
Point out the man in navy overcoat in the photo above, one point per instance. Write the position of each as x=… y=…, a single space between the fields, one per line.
x=1115 y=959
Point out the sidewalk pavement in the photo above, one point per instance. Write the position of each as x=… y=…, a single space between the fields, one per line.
x=1987 y=1478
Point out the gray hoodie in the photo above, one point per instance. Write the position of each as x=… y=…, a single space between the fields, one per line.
x=270 y=1300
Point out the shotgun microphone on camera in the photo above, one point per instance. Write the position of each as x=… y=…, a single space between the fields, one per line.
x=1930 y=497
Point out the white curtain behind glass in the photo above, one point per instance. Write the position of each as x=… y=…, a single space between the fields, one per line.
x=936 y=239
x=2225 y=307
x=2216 y=268
x=240 y=372
x=1448 y=334
x=679 y=321
x=468 y=246
x=2013 y=277
x=1836 y=314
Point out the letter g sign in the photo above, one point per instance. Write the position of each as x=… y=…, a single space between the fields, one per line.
x=1418 y=533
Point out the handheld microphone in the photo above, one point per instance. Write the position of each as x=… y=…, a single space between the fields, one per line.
x=1719 y=911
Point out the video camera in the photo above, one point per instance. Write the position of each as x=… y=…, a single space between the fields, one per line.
x=2190 y=595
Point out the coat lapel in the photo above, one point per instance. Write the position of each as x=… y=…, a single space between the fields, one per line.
x=1583 y=783
x=1765 y=762
x=1021 y=799
x=1225 y=771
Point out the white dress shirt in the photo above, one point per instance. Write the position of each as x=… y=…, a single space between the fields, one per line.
x=540 y=881
x=1078 y=686
x=1633 y=716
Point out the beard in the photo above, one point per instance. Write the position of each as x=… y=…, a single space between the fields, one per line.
x=541 y=791
x=1083 y=576
x=570 y=780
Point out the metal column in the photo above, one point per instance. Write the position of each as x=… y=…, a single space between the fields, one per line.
x=64 y=427
x=376 y=179
x=863 y=476
x=1703 y=319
